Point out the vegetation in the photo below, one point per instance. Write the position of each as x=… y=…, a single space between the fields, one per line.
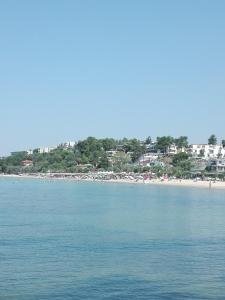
x=106 y=154
x=223 y=143
x=181 y=142
x=162 y=143
x=212 y=140
x=89 y=154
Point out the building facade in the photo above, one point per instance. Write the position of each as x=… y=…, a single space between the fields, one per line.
x=45 y=150
x=217 y=165
x=207 y=151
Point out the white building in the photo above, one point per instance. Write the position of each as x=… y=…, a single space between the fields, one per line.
x=174 y=149
x=30 y=152
x=67 y=145
x=207 y=151
x=148 y=158
x=111 y=153
x=45 y=149
x=217 y=165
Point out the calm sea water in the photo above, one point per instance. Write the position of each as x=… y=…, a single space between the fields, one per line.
x=66 y=240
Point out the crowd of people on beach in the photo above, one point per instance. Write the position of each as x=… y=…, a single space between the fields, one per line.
x=124 y=177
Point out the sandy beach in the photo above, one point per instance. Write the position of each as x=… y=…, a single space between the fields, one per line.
x=190 y=183
x=171 y=182
x=174 y=182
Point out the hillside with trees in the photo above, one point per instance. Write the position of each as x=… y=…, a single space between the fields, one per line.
x=108 y=154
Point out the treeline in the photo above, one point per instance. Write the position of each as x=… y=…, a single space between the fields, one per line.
x=89 y=154
x=103 y=154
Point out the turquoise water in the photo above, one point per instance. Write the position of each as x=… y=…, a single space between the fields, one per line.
x=66 y=240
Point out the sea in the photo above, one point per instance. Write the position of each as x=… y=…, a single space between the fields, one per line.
x=64 y=240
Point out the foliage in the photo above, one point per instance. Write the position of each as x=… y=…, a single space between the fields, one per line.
x=179 y=157
x=181 y=164
x=162 y=143
x=181 y=142
x=212 y=140
x=103 y=162
x=221 y=176
x=120 y=160
x=148 y=140
x=109 y=144
x=94 y=154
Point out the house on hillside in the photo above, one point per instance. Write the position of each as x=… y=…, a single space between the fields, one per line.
x=111 y=153
x=207 y=151
x=198 y=164
x=44 y=150
x=174 y=149
x=27 y=163
x=217 y=165
x=30 y=152
x=151 y=148
x=67 y=145
x=147 y=158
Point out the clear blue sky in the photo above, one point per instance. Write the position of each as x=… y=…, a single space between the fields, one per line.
x=71 y=69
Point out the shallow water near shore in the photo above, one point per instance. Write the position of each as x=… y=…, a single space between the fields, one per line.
x=86 y=240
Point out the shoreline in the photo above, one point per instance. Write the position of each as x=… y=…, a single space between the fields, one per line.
x=172 y=182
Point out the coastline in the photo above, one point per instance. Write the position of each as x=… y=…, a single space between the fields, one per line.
x=159 y=182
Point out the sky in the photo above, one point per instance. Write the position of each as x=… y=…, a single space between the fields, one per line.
x=72 y=69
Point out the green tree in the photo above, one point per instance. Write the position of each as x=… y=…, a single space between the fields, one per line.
x=88 y=146
x=181 y=142
x=179 y=157
x=212 y=140
x=223 y=143
x=136 y=147
x=120 y=159
x=181 y=164
x=148 y=140
x=103 y=162
x=109 y=144
x=163 y=143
